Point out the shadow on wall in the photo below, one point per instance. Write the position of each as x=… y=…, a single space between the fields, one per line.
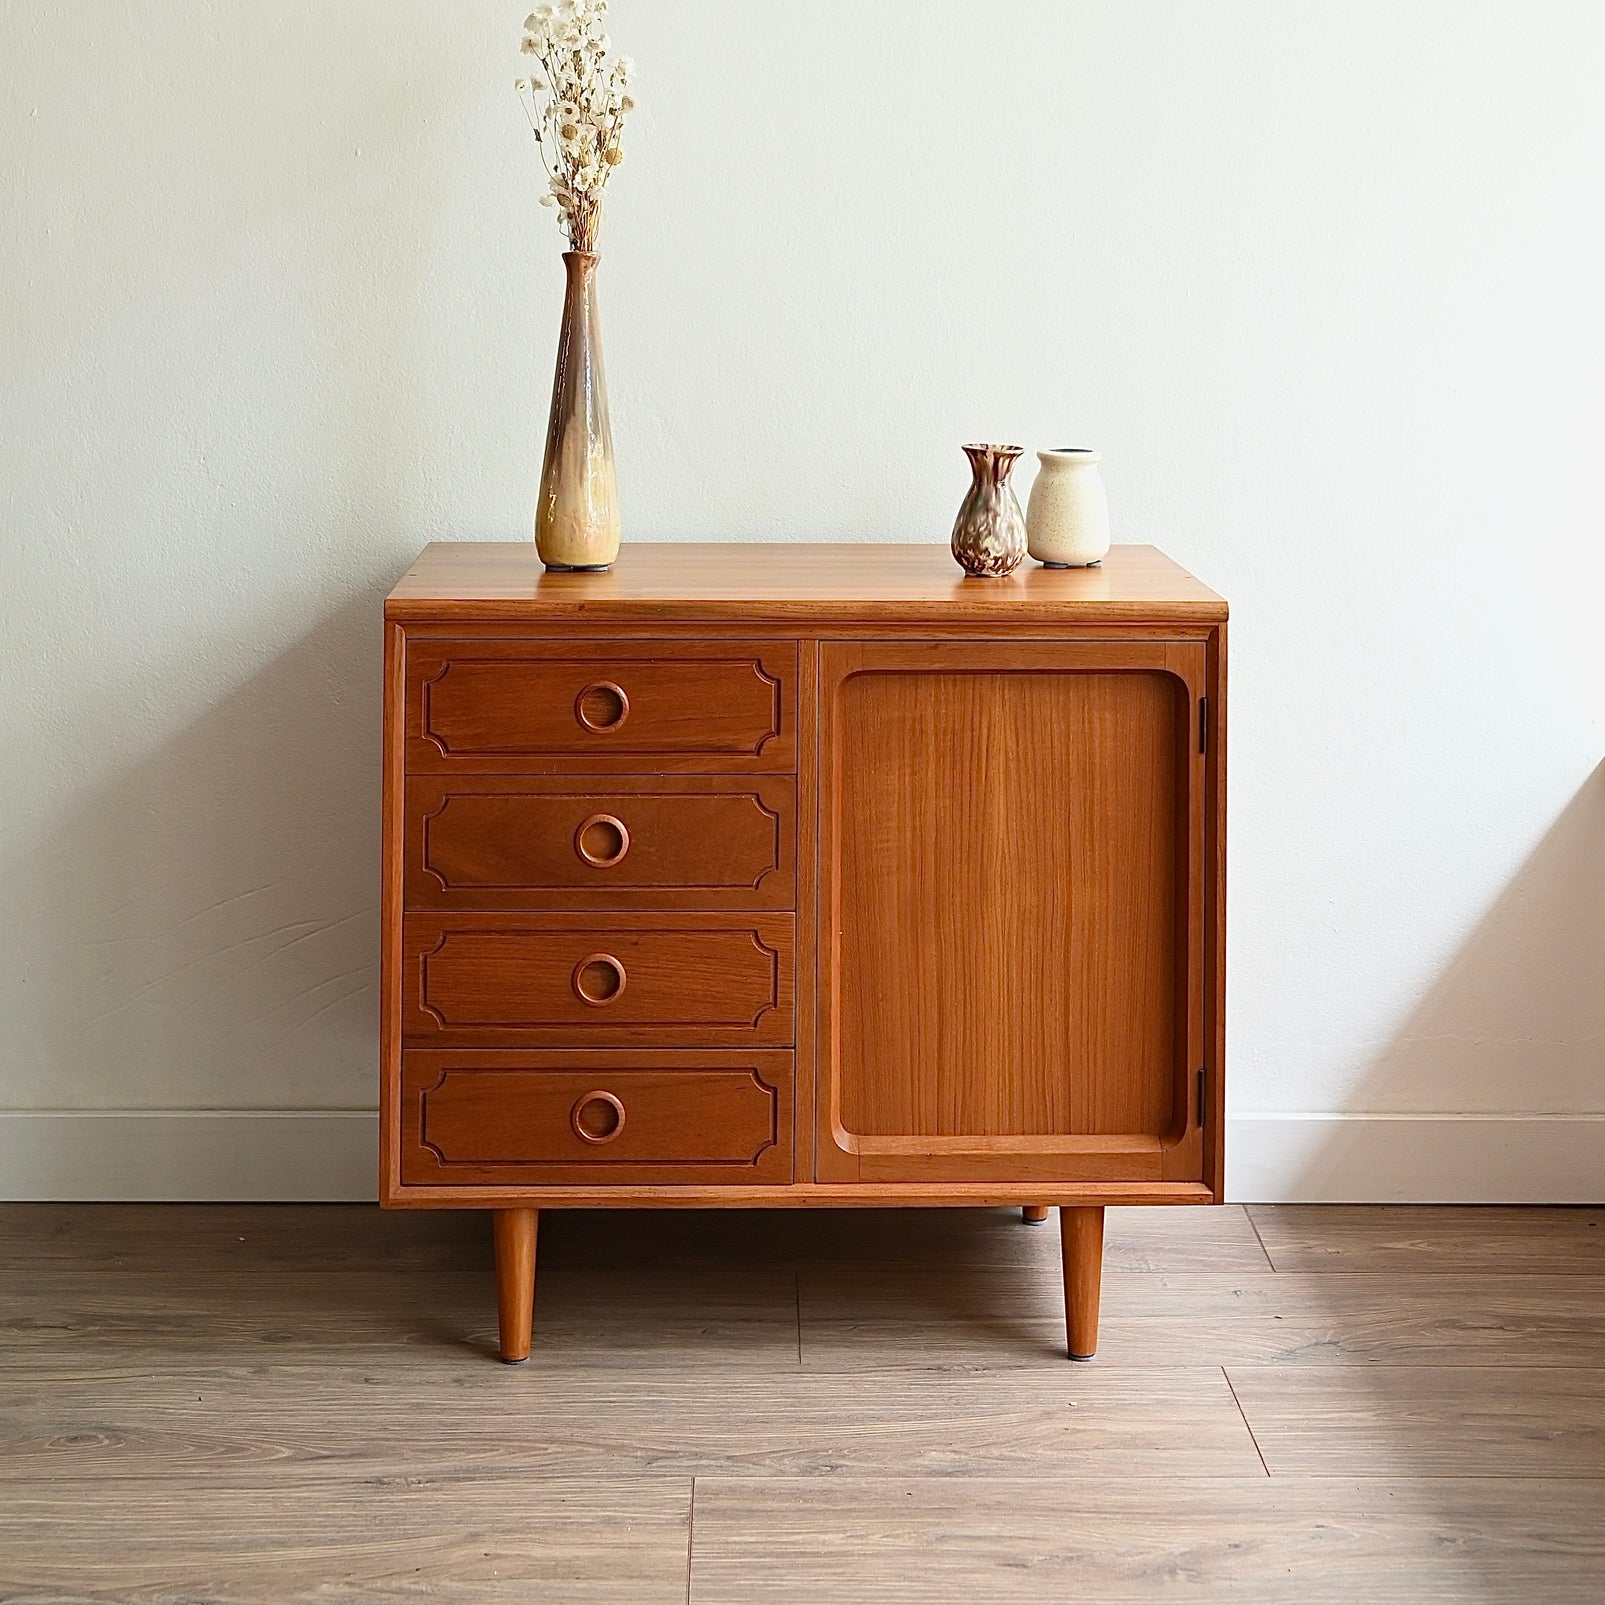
x=1515 y=1022
x=203 y=933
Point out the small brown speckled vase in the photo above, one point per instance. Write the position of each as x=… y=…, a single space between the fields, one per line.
x=989 y=537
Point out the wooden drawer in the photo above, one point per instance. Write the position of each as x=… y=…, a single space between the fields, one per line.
x=706 y=980
x=533 y=707
x=497 y=842
x=498 y=1119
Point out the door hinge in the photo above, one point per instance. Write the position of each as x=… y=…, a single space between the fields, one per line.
x=1202 y=1106
x=1203 y=724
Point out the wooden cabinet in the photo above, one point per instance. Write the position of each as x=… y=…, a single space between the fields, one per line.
x=801 y=876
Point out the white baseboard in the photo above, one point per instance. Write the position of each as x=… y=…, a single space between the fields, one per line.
x=168 y=1156
x=1415 y=1159
x=252 y=1156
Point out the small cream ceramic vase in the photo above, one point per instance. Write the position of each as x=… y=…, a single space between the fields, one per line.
x=1067 y=522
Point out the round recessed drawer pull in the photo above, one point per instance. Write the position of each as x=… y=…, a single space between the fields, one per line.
x=597 y=1117
x=602 y=706
x=599 y=980
x=602 y=841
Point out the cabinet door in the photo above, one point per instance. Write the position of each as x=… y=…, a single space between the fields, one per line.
x=1012 y=875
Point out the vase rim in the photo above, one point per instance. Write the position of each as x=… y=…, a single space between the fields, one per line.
x=1085 y=453
x=992 y=446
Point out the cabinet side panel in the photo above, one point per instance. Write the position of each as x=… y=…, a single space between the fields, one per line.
x=1215 y=927
x=1007 y=860
x=390 y=910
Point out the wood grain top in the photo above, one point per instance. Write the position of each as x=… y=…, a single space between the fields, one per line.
x=488 y=580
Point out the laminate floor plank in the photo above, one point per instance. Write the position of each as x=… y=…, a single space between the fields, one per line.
x=554 y=1418
x=1105 y=1541
x=391 y=1536
x=301 y=1237
x=694 y=1314
x=341 y=1237
x=1391 y=1421
x=1415 y=1239
x=1136 y=1240
x=989 y=1318
x=243 y=1403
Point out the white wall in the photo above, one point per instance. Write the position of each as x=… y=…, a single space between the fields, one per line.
x=1324 y=281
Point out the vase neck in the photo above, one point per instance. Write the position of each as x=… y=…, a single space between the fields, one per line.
x=579 y=290
x=992 y=465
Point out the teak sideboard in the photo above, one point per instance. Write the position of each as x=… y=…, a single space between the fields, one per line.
x=801 y=875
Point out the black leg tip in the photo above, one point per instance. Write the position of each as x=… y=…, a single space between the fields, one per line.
x=1081 y=1359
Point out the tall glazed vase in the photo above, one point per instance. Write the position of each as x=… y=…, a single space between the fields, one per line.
x=577 y=518
x=989 y=534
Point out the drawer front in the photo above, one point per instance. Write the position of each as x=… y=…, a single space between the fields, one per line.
x=514 y=1119
x=542 y=707
x=706 y=980
x=496 y=842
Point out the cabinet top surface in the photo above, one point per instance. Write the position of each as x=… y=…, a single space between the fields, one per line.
x=796 y=581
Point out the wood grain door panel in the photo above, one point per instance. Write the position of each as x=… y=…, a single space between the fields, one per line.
x=602 y=980
x=1011 y=865
x=543 y=707
x=499 y=842
x=514 y=1119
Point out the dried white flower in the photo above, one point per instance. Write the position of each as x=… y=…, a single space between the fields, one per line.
x=576 y=108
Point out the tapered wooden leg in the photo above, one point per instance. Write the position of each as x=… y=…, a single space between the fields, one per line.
x=515 y=1278
x=1081 y=1236
x=1035 y=1214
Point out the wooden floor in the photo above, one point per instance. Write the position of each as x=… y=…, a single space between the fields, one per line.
x=1290 y=1404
